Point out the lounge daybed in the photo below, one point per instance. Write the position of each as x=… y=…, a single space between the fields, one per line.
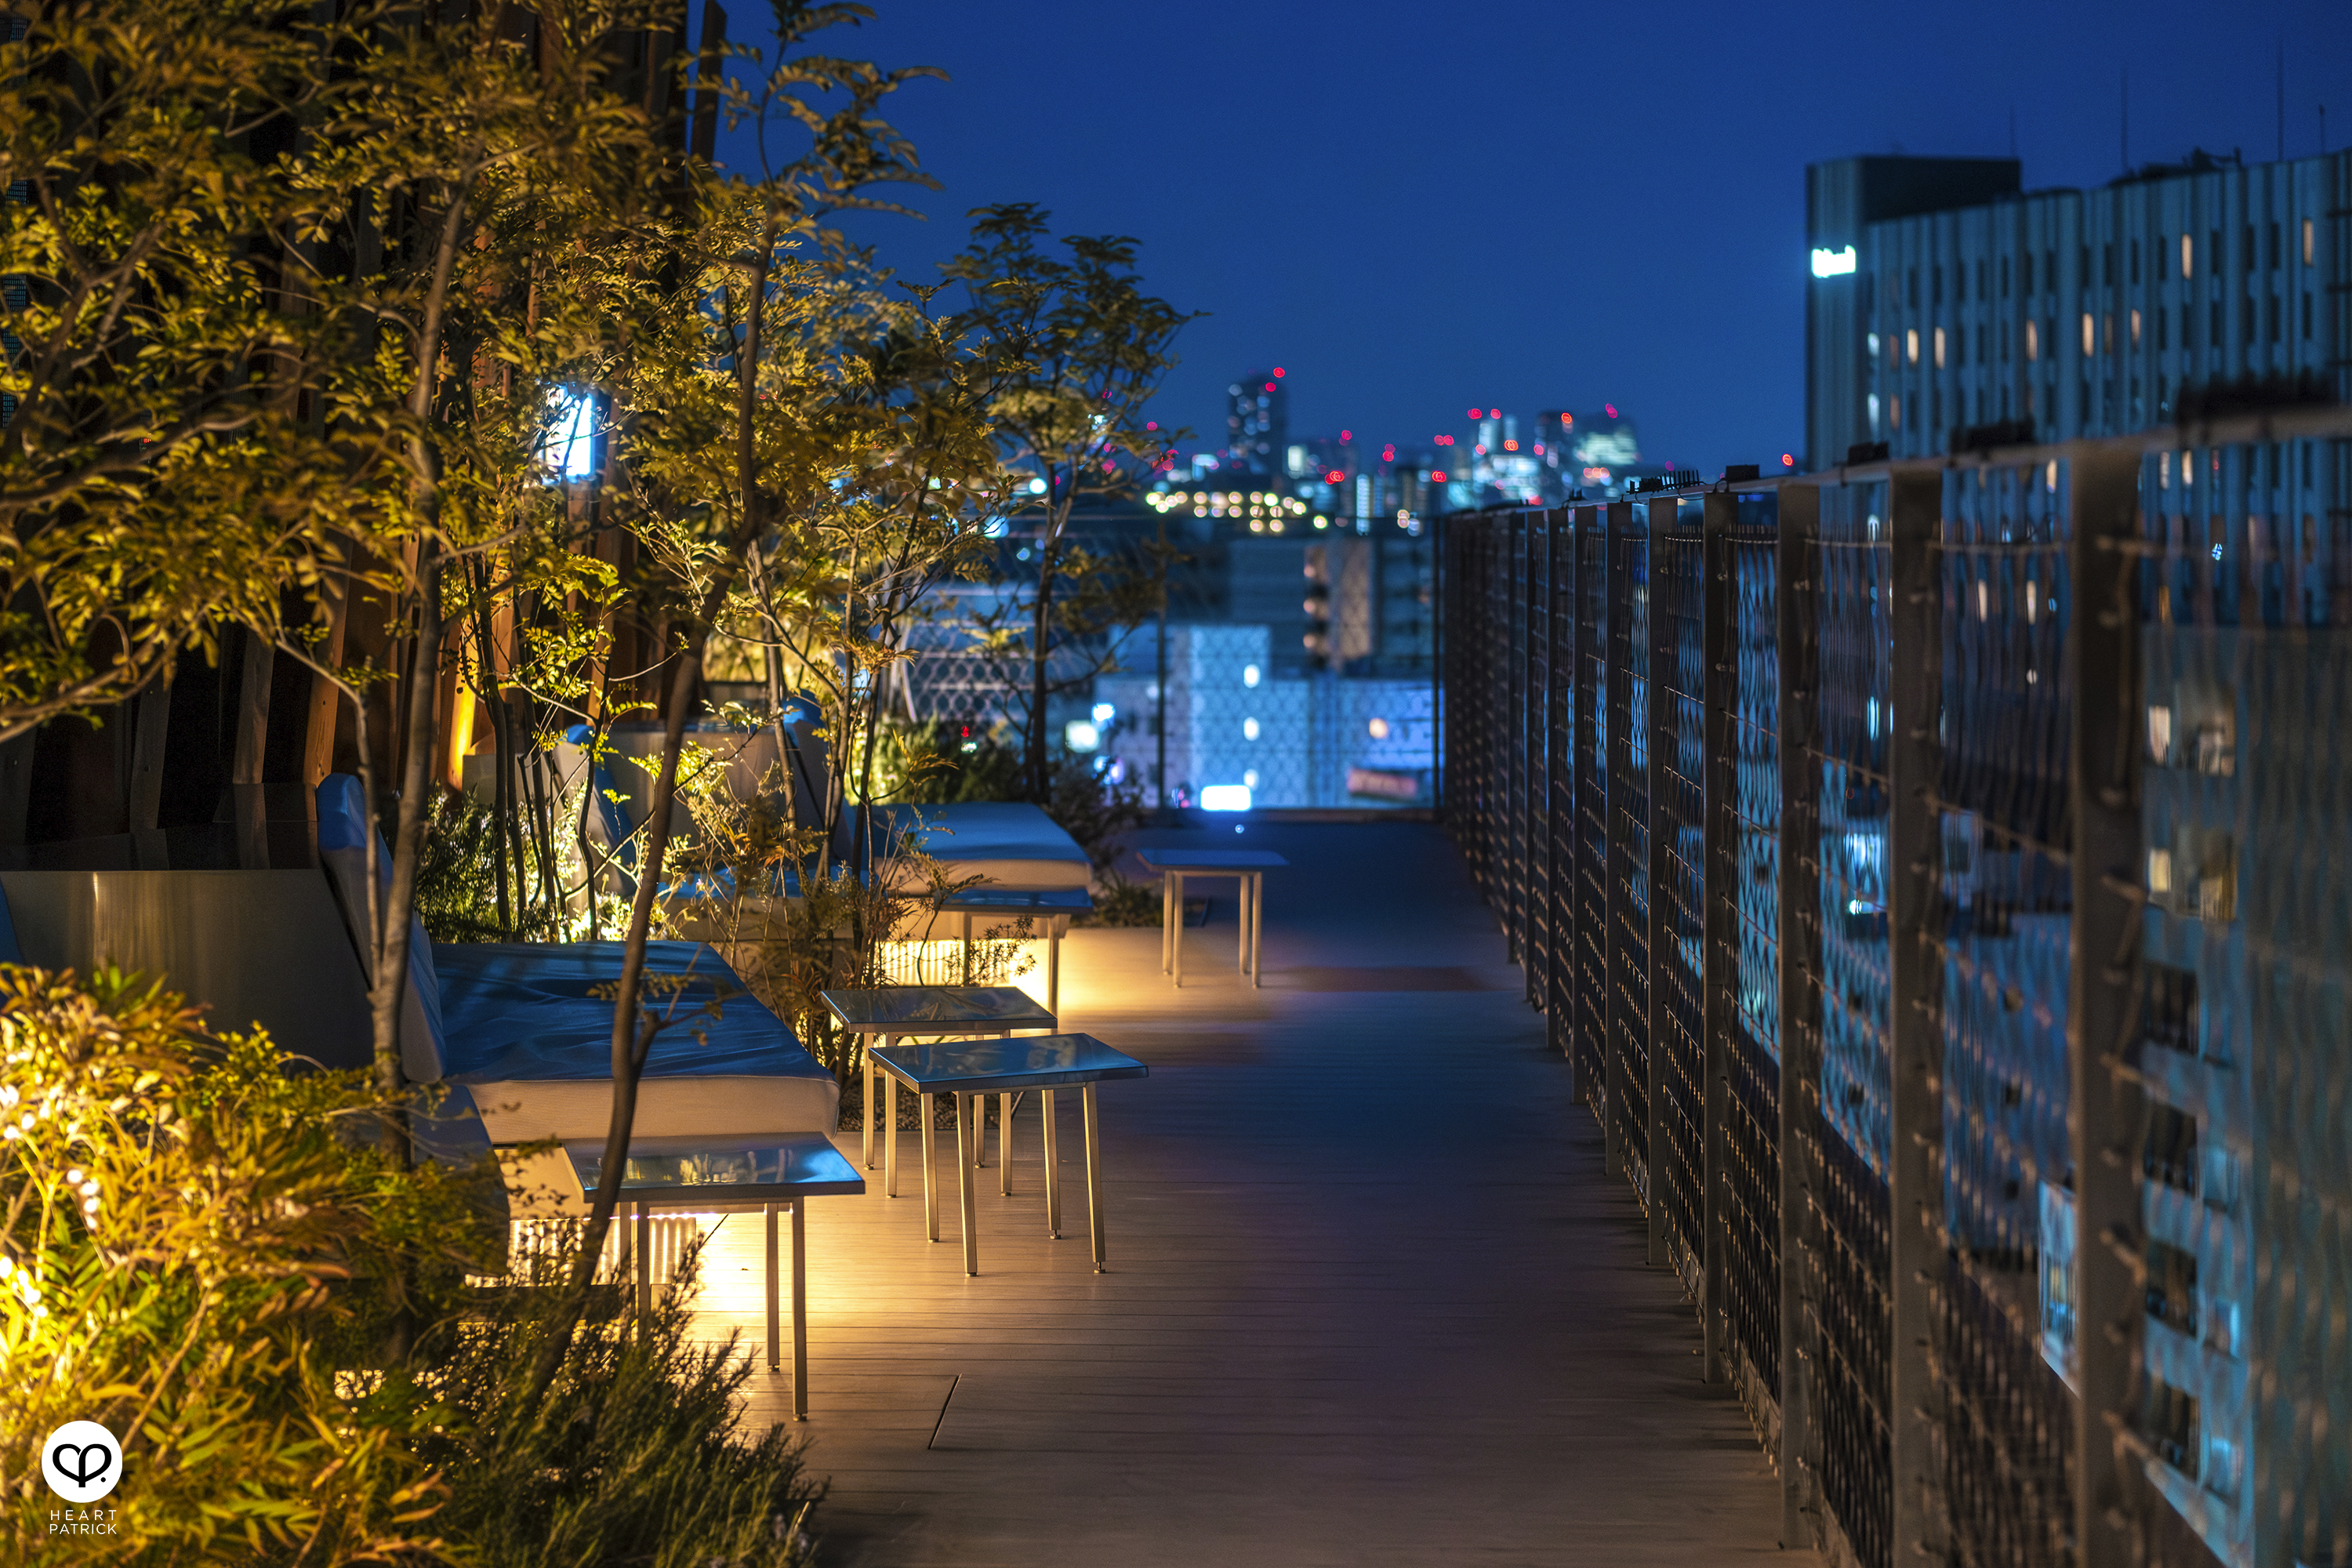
x=519 y=1025
x=1008 y=844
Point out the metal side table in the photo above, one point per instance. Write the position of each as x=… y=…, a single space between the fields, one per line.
x=740 y=1177
x=1053 y=906
x=1246 y=867
x=976 y=1067
x=894 y=1012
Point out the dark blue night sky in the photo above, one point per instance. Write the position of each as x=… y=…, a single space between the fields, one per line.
x=1412 y=209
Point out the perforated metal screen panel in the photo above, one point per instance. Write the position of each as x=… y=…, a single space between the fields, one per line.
x=1882 y=847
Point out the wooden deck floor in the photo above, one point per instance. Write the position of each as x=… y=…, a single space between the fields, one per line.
x=1370 y=1300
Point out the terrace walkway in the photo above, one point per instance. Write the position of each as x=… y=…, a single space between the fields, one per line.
x=1371 y=1298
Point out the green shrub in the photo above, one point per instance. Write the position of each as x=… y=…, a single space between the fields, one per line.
x=628 y=1461
x=228 y=1266
x=190 y=1243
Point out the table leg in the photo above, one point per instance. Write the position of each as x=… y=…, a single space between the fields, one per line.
x=773 y=1363
x=644 y=1228
x=1004 y=1144
x=890 y=1137
x=1257 y=926
x=1094 y=1178
x=1241 y=937
x=965 y=1130
x=1052 y=964
x=1176 y=952
x=1165 y=883
x=866 y=1050
x=800 y=1312
x=1053 y=1173
x=931 y=1187
x=967 y=947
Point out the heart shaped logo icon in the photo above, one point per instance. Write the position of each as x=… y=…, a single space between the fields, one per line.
x=81 y=1461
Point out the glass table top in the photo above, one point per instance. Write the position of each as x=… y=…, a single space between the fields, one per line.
x=1209 y=860
x=1051 y=901
x=1018 y=1061
x=923 y=1009
x=748 y=1170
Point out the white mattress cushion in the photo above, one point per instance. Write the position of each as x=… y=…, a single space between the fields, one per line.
x=1010 y=843
x=713 y=1105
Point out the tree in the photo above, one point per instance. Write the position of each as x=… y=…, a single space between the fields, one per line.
x=1080 y=349
x=459 y=158
x=725 y=425
x=162 y=473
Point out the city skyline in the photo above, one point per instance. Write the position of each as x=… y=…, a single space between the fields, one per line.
x=1412 y=223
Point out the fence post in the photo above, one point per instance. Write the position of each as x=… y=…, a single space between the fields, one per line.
x=1527 y=734
x=1559 y=821
x=1719 y=936
x=1619 y=523
x=2108 y=1108
x=1513 y=822
x=1916 y=1261
x=1440 y=668
x=1589 y=1004
x=1798 y=942
x=1657 y=723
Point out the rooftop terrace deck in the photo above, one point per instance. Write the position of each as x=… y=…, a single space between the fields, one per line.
x=1370 y=1298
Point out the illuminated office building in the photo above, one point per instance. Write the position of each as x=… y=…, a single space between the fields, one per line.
x=1257 y=421
x=1942 y=299
x=1845 y=203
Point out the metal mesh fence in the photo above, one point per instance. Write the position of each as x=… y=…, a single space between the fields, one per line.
x=1999 y=924
x=1745 y=778
x=1677 y=606
x=1590 y=641
x=1559 y=836
x=1628 y=815
x=1851 y=1320
x=1941 y=878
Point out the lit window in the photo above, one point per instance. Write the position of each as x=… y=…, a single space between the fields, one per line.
x=571 y=438
x=2135 y=329
x=2307 y=242
x=1911 y=344
x=1377 y=729
x=2032 y=342
x=1939 y=348
x=2188 y=257
x=2090 y=341
x=1249 y=674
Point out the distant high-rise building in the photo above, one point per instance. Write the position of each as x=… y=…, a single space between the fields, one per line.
x=2084 y=313
x=1844 y=200
x=1257 y=421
